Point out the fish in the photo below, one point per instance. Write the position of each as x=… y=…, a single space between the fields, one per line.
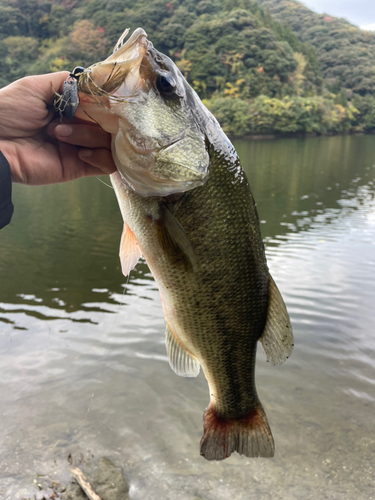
x=189 y=211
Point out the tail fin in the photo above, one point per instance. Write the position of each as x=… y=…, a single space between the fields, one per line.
x=250 y=435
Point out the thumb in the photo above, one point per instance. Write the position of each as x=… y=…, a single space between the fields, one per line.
x=46 y=85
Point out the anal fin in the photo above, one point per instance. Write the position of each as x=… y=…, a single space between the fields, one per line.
x=277 y=337
x=181 y=361
x=130 y=252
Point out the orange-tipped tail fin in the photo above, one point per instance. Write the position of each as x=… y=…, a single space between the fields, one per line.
x=250 y=435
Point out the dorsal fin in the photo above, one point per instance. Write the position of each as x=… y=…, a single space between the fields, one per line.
x=130 y=252
x=277 y=337
x=181 y=361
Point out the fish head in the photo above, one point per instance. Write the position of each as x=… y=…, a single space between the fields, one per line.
x=140 y=97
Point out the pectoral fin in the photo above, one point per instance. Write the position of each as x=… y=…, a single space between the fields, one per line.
x=181 y=361
x=130 y=252
x=174 y=241
x=277 y=337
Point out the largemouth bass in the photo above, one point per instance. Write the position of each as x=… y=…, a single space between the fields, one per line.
x=188 y=209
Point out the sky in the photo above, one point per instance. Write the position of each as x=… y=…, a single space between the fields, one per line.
x=359 y=12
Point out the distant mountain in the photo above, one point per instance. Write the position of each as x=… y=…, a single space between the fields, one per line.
x=261 y=67
x=219 y=46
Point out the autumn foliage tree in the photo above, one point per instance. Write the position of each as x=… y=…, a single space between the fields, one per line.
x=261 y=66
x=88 y=42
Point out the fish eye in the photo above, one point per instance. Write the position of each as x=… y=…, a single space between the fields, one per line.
x=166 y=84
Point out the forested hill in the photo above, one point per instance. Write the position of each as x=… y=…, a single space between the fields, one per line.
x=346 y=54
x=272 y=66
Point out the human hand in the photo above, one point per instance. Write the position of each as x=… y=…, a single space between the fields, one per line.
x=43 y=152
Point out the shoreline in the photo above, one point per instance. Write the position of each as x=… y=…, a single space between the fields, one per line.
x=295 y=135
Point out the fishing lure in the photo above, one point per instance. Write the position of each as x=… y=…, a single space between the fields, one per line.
x=67 y=102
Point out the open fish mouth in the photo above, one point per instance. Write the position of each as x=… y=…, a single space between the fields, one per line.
x=140 y=97
x=106 y=78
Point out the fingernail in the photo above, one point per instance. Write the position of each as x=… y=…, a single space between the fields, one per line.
x=63 y=130
x=85 y=153
x=51 y=129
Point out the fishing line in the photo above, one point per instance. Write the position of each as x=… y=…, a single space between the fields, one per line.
x=108 y=185
x=106 y=338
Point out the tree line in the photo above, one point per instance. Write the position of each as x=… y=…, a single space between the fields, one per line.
x=264 y=67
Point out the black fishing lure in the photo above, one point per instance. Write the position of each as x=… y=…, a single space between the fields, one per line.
x=67 y=102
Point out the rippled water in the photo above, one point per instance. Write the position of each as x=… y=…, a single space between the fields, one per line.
x=83 y=361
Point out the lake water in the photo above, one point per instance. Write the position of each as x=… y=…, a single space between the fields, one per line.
x=83 y=360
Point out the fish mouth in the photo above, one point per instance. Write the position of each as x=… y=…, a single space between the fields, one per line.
x=146 y=145
x=147 y=185
x=106 y=78
x=153 y=173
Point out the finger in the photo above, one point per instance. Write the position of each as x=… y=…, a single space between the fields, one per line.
x=38 y=92
x=100 y=162
x=87 y=136
x=99 y=158
x=45 y=86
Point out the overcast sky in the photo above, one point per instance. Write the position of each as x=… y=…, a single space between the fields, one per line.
x=358 y=12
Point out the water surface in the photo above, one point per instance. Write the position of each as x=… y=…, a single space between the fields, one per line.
x=83 y=361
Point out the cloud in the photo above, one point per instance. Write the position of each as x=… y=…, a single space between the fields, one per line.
x=368 y=27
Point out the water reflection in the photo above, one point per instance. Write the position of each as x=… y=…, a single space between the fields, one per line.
x=82 y=350
x=296 y=180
